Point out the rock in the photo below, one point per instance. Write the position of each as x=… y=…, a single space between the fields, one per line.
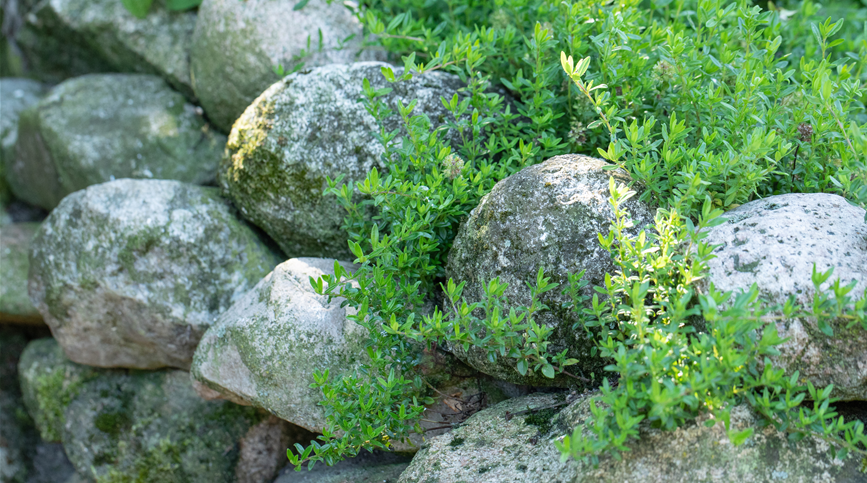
x=548 y=216
x=506 y=446
x=237 y=46
x=18 y=437
x=106 y=37
x=131 y=273
x=50 y=465
x=265 y=349
x=365 y=468
x=773 y=243
x=98 y=128
x=304 y=129
x=15 y=96
x=15 y=305
x=20 y=212
x=152 y=426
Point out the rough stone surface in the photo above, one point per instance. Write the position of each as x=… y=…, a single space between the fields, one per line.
x=18 y=436
x=98 y=128
x=493 y=446
x=773 y=243
x=548 y=216
x=131 y=273
x=15 y=304
x=237 y=45
x=365 y=468
x=308 y=127
x=265 y=349
x=15 y=96
x=73 y=37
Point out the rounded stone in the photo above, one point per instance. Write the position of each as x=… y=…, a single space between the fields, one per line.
x=15 y=305
x=548 y=215
x=131 y=273
x=16 y=95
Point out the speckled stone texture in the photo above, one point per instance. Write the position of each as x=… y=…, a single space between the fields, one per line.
x=774 y=243
x=237 y=45
x=308 y=127
x=98 y=128
x=365 y=468
x=131 y=273
x=548 y=216
x=513 y=442
x=15 y=305
x=66 y=38
x=15 y=96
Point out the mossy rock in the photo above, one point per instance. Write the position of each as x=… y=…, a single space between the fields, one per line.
x=15 y=96
x=774 y=242
x=237 y=46
x=98 y=128
x=307 y=128
x=67 y=38
x=15 y=304
x=131 y=273
x=507 y=444
x=548 y=215
x=367 y=467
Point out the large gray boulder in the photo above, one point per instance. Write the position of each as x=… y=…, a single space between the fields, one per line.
x=98 y=128
x=265 y=349
x=131 y=273
x=238 y=45
x=308 y=127
x=774 y=243
x=15 y=304
x=548 y=215
x=15 y=96
x=65 y=38
x=150 y=426
x=513 y=442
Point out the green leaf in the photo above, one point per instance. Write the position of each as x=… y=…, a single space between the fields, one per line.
x=740 y=437
x=139 y=8
x=181 y=5
x=300 y=5
x=548 y=371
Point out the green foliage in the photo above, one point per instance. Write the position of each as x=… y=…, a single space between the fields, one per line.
x=140 y=8
x=708 y=104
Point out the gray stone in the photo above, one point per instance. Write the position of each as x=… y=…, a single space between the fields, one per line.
x=237 y=46
x=131 y=273
x=548 y=216
x=308 y=127
x=18 y=437
x=98 y=128
x=120 y=425
x=513 y=442
x=15 y=96
x=774 y=243
x=365 y=468
x=15 y=304
x=101 y=35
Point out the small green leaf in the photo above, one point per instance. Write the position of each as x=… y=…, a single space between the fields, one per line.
x=300 y=5
x=548 y=371
x=139 y=8
x=182 y=5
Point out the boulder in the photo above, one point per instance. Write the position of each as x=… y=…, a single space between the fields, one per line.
x=98 y=128
x=151 y=426
x=15 y=305
x=15 y=96
x=131 y=273
x=308 y=127
x=367 y=467
x=238 y=45
x=774 y=243
x=74 y=37
x=265 y=349
x=513 y=442
x=547 y=215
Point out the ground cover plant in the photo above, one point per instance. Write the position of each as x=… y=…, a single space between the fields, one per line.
x=708 y=104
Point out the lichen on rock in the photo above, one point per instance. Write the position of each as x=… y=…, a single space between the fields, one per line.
x=15 y=304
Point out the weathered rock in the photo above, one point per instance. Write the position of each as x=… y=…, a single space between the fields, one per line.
x=238 y=45
x=151 y=426
x=365 y=468
x=18 y=437
x=15 y=96
x=514 y=442
x=265 y=349
x=15 y=305
x=104 y=36
x=131 y=273
x=308 y=127
x=98 y=128
x=774 y=243
x=548 y=216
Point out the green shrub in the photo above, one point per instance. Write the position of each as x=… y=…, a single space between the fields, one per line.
x=708 y=104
